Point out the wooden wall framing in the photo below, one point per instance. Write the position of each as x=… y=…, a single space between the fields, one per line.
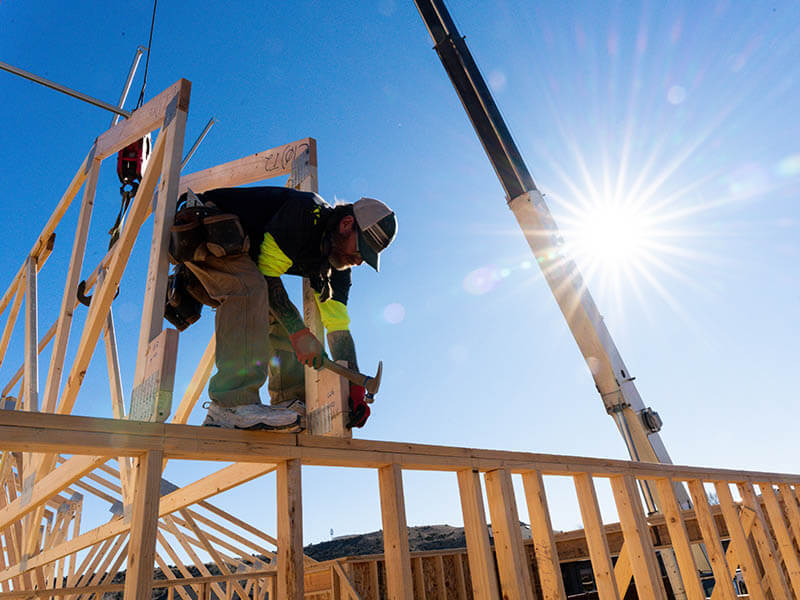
x=40 y=509
x=762 y=529
x=41 y=490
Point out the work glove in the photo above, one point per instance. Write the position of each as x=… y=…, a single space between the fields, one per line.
x=359 y=409
x=307 y=348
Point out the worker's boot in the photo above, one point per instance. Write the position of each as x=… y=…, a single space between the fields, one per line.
x=253 y=416
x=295 y=405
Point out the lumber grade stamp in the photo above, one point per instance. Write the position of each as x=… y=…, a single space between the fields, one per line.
x=151 y=400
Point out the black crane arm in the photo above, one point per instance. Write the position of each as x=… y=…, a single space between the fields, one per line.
x=477 y=99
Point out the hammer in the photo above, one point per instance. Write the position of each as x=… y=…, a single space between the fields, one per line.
x=371 y=384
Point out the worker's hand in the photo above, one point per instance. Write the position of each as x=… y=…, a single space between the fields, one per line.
x=307 y=348
x=359 y=409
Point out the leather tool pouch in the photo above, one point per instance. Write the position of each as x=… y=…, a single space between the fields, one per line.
x=203 y=229
x=185 y=298
x=181 y=308
x=224 y=235
x=186 y=236
x=195 y=289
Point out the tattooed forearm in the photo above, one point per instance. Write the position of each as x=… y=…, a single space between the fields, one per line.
x=342 y=347
x=282 y=307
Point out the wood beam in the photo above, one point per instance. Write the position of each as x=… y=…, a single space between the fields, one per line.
x=144 y=120
x=162 y=564
x=144 y=524
x=105 y=555
x=103 y=296
x=158 y=268
x=641 y=554
x=20 y=431
x=57 y=480
x=90 y=281
x=77 y=573
x=441 y=584
x=244 y=541
x=117 y=396
x=13 y=313
x=196 y=385
x=680 y=540
x=716 y=556
x=512 y=562
x=31 y=337
x=45 y=236
x=596 y=538
x=274 y=162
x=170 y=526
x=792 y=510
x=623 y=571
x=782 y=535
x=210 y=485
x=479 y=552
x=212 y=552
x=236 y=550
x=766 y=547
x=741 y=547
x=118 y=550
x=544 y=543
x=399 y=585
x=290 y=531
x=68 y=301
x=31 y=525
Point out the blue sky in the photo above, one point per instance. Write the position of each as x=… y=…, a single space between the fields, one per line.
x=675 y=125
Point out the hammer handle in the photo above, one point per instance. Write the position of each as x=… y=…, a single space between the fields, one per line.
x=327 y=363
x=349 y=374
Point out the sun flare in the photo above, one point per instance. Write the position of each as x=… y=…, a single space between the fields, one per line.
x=611 y=236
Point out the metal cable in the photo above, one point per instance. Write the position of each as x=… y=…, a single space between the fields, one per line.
x=147 y=61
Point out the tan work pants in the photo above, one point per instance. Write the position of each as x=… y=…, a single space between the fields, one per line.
x=243 y=325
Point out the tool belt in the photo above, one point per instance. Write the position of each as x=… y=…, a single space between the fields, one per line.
x=185 y=298
x=202 y=230
x=199 y=230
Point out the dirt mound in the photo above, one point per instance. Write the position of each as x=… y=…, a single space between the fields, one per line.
x=427 y=537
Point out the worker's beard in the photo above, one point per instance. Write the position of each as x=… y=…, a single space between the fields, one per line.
x=337 y=258
x=337 y=263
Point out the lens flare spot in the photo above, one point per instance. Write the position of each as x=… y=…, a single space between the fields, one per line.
x=676 y=94
x=480 y=281
x=497 y=80
x=386 y=8
x=789 y=166
x=525 y=264
x=594 y=364
x=394 y=313
x=748 y=181
x=275 y=362
x=505 y=273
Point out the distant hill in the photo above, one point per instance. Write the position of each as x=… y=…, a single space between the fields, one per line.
x=426 y=537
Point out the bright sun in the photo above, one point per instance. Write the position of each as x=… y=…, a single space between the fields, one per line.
x=610 y=237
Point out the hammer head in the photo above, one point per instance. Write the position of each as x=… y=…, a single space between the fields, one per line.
x=373 y=383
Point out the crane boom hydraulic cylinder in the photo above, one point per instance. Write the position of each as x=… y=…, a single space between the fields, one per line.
x=637 y=424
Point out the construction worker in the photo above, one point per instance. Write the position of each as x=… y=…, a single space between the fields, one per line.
x=285 y=232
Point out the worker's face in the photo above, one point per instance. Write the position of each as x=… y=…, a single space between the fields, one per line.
x=344 y=246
